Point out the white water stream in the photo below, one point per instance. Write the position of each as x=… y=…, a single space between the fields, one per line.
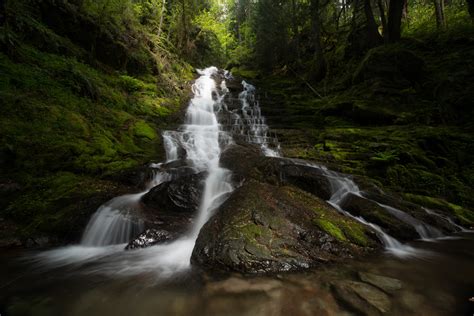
x=117 y=222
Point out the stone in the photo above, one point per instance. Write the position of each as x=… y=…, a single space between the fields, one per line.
x=307 y=178
x=382 y=282
x=362 y=297
x=263 y=228
x=374 y=213
x=176 y=196
x=149 y=238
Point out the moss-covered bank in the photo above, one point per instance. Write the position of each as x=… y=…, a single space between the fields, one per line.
x=75 y=109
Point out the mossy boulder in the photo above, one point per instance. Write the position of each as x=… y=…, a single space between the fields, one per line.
x=394 y=65
x=458 y=213
x=247 y=162
x=265 y=228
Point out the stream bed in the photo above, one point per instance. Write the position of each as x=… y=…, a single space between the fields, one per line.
x=437 y=281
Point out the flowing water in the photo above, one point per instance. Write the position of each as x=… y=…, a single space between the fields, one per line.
x=105 y=279
x=201 y=139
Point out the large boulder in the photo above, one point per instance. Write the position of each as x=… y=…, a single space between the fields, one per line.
x=266 y=228
x=181 y=195
x=248 y=162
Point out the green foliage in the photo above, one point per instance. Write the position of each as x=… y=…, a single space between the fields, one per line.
x=216 y=26
x=421 y=21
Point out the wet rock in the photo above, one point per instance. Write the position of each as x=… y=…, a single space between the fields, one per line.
x=149 y=238
x=376 y=214
x=413 y=210
x=363 y=298
x=307 y=178
x=176 y=196
x=384 y=283
x=265 y=228
x=38 y=242
x=247 y=162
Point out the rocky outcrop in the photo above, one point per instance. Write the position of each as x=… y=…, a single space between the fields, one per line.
x=247 y=162
x=265 y=228
x=181 y=195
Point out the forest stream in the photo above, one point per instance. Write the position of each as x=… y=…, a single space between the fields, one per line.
x=194 y=241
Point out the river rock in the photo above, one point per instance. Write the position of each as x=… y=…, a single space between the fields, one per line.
x=307 y=178
x=181 y=195
x=265 y=228
x=247 y=161
x=362 y=297
x=149 y=238
x=382 y=282
x=376 y=214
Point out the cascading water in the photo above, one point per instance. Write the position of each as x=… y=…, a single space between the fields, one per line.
x=341 y=187
x=251 y=126
x=424 y=230
x=200 y=139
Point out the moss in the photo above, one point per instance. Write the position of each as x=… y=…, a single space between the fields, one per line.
x=464 y=216
x=143 y=129
x=331 y=229
x=342 y=228
x=244 y=73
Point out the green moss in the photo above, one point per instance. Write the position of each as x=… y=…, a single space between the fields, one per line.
x=464 y=216
x=331 y=229
x=244 y=73
x=143 y=129
x=342 y=228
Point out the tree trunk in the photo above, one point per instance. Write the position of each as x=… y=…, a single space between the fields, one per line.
x=439 y=12
x=364 y=34
x=405 y=9
x=184 y=39
x=395 y=11
x=163 y=7
x=470 y=8
x=295 y=29
x=320 y=67
x=383 y=20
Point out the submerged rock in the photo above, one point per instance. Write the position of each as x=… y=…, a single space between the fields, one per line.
x=382 y=282
x=265 y=228
x=363 y=298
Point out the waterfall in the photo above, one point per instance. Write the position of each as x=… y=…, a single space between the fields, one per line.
x=200 y=141
x=250 y=124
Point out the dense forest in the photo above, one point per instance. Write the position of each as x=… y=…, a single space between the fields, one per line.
x=381 y=90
